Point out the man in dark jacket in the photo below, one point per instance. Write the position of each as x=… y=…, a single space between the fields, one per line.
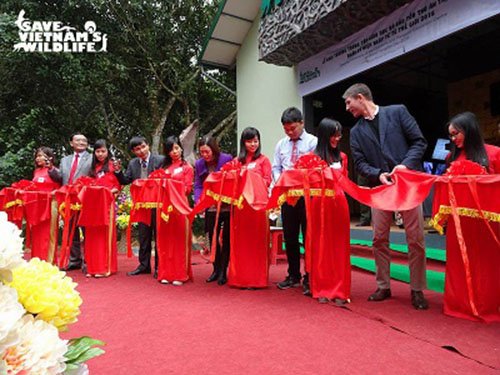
x=385 y=139
x=140 y=167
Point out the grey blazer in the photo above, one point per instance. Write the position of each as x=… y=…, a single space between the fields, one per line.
x=83 y=169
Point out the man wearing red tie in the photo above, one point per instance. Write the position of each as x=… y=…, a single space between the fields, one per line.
x=288 y=150
x=72 y=167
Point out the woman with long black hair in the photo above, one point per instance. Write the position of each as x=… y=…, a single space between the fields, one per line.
x=472 y=285
x=467 y=143
x=174 y=235
x=330 y=278
x=249 y=266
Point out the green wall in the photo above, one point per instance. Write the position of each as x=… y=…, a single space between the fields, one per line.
x=264 y=91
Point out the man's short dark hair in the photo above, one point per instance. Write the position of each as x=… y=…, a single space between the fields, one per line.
x=356 y=89
x=290 y=115
x=75 y=134
x=136 y=141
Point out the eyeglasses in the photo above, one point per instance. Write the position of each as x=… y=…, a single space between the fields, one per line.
x=454 y=135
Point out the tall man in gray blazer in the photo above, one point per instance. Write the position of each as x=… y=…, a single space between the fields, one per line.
x=71 y=168
x=140 y=167
x=385 y=139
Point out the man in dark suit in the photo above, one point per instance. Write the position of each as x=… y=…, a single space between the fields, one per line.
x=72 y=167
x=140 y=167
x=385 y=139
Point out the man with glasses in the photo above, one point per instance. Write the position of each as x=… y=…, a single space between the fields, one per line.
x=383 y=140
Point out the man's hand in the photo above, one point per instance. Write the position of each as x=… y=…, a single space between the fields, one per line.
x=117 y=164
x=399 y=166
x=385 y=178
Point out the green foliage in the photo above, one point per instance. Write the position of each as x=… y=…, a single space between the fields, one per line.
x=82 y=349
x=151 y=58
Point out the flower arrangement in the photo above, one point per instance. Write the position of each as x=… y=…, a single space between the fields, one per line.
x=36 y=302
x=123 y=207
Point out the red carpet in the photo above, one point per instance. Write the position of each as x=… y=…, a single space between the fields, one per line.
x=202 y=328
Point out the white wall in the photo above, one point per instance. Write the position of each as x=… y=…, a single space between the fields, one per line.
x=264 y=91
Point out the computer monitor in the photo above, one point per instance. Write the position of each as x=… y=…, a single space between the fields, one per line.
x=440 y=150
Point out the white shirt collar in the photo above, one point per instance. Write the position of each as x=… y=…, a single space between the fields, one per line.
x=370 y=118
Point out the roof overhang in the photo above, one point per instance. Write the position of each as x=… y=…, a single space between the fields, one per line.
x=231 y=24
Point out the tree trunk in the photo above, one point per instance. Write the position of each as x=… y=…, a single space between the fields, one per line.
x=160 y=124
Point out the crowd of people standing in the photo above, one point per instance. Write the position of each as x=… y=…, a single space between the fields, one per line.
x=384 y=139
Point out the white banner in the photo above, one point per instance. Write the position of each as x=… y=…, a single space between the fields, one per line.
x=411 y=26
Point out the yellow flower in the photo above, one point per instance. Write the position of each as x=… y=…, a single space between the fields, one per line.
x=48 y=293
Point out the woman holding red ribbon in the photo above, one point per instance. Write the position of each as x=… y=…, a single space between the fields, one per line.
x=44 y=162
x=472 y=285
x=330 y=277
x=174 y=235
x=212 y=160
x=249 y=265
x=40 y=217
x=102 y=167
x=98 y=214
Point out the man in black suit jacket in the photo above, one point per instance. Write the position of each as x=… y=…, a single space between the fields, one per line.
x=385 y=139
x=140 y=167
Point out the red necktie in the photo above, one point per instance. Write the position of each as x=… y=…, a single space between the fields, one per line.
x=294 y=157
x=73 y=168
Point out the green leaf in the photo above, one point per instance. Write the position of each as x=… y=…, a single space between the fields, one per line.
x=90 y=353
x=79 y=346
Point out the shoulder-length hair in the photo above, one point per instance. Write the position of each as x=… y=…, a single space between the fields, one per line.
x=328 y=128
x=246 y=135
x=100 y=143
x=48 y=152
x=168 y=146
x=467 y=124
x=211 y=142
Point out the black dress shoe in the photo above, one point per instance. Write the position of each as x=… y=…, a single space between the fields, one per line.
x=155 y=274
x=288 y=283
x=363 y=224
x=306 y=290
x=213 y=277
x=139 y=271
x=72 y=266
x=323 y=300
x=418 y=300
x=340 y=301
x=222 y=279
x=380 y=295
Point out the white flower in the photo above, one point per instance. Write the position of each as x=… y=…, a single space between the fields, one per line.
x=11 y=248
x=10 y=313
x=39 y=350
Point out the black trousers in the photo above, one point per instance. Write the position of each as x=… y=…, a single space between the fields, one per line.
x=222 y=252
x=76 y=253
x=146 y=235
x=294 y=218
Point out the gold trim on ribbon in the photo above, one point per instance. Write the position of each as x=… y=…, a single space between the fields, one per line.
x=166 y=216
x=15 y=202
x=147 y=205
x=73 y=207
x=316 y=192
x=445 y=211
x=225 y=199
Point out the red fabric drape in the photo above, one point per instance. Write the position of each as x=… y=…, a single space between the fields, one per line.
x=469 y=205
x=246 y=192
x=97 y=215
x=327 y=247
x=173 y=222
